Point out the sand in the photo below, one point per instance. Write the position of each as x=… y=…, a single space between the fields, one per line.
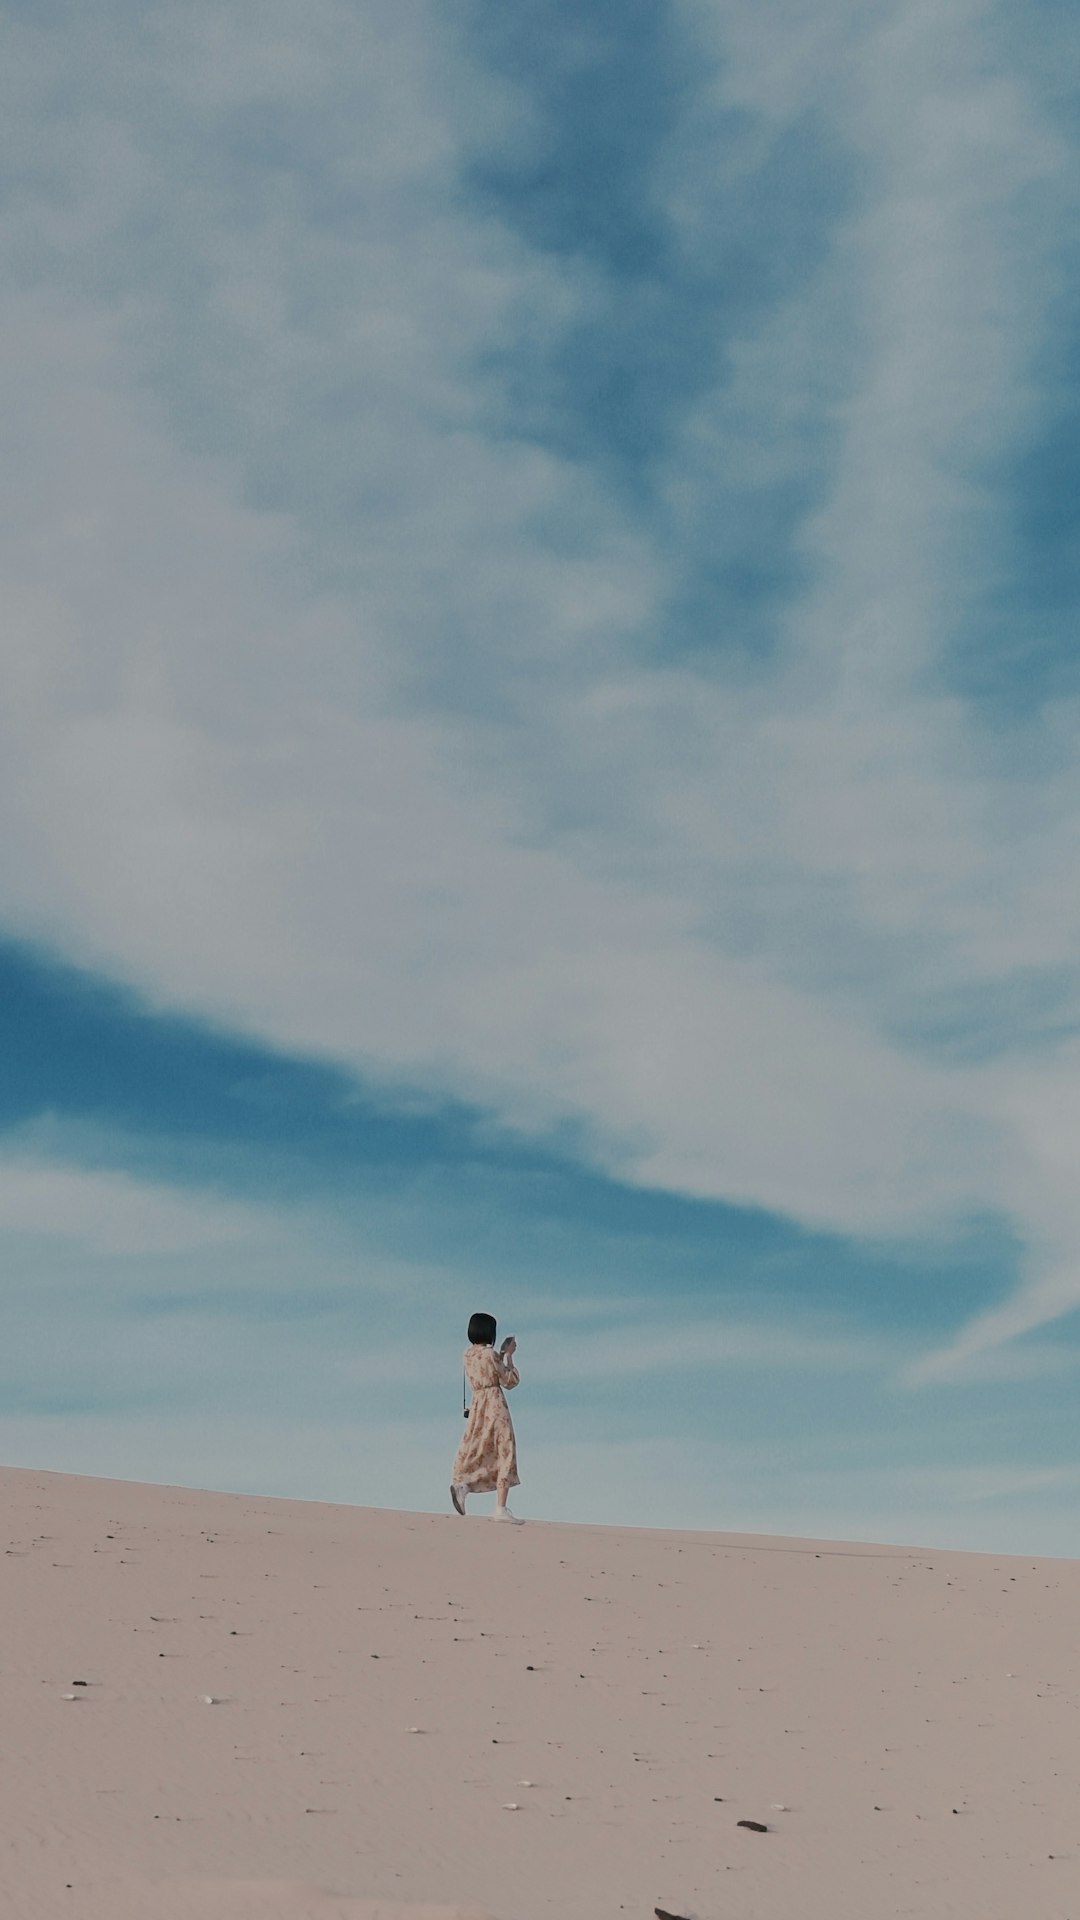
x=292 y=1709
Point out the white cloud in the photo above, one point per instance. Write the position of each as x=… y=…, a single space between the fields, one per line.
x=108 y=1212
x=235 y=766
x=712 y=1345
x=984 y=1353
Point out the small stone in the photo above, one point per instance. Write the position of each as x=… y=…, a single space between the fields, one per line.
x=208 y=1699
x=69 y=1696
x=511 y=1806
x=755 y=1826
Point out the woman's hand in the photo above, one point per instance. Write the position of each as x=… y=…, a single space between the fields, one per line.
x=509 y=1346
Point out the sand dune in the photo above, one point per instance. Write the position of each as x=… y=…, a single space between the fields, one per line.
x=225 y=1707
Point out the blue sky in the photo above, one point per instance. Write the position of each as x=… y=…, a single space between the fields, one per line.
x=538 y=754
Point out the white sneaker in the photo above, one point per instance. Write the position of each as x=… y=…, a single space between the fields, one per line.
x=508 y=1519
x=457 y=1495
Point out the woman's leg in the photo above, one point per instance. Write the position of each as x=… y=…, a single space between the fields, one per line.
x=502 y=1511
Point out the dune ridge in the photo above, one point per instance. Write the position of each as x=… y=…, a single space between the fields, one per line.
x=220 y=1706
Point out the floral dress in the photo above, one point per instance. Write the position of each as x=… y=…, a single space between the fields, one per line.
x=488 y=1451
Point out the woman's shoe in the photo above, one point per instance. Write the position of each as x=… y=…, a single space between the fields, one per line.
x=457 y=1495
x=509 y=1519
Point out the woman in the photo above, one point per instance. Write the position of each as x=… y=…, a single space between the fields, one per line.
x=487 y=1456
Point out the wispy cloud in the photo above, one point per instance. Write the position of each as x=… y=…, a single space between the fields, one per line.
x=110 y=1212
x=707 y=1346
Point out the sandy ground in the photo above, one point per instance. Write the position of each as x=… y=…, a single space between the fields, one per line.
x=250 y=1709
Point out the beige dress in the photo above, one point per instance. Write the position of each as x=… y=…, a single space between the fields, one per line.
x=488 y=1452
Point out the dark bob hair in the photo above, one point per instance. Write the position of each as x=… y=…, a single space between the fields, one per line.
x=482 y=1330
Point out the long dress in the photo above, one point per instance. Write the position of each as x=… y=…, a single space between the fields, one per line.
x=488 y=1451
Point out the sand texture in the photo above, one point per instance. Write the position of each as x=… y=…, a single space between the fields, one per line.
x=235 y=1708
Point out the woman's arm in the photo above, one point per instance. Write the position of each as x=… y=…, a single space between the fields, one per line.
x=508 y=1372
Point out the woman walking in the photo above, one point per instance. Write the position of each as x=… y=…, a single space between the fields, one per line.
x=487 y=1456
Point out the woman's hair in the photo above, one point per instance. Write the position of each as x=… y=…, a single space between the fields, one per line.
x=482 y=1330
